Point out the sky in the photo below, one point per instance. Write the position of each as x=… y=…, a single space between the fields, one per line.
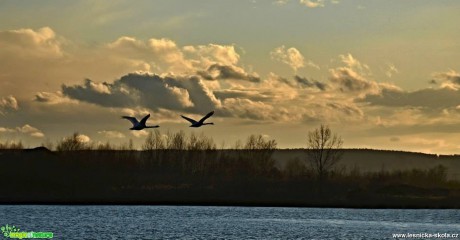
x=381 y=74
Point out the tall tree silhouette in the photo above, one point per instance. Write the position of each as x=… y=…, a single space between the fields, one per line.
x=324 y=150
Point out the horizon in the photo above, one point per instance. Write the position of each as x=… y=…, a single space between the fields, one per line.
x=124 y=146
x=384 y=76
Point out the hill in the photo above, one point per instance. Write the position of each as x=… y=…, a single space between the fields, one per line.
x=371 y=160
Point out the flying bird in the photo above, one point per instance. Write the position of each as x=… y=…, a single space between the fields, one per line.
x=139 y=125
x=199 y=123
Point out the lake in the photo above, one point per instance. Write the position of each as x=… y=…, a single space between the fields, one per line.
x=203 y=222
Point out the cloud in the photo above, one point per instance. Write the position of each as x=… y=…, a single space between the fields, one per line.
x=252 y=94
x=308 y=3
x=353 y=78
x=52 y=98
x=145 y=90
x=347 y=80
x=41 y=60
x=83 y=138
x=111 y=134
x=331 y=111
x=428 y=99
x=117 y=95
x=217 y=71
x=309 y=110
x=291 y=57
x=450 y=77
x=166 y=48
x=210 y=54
x=27 y=43
x=165 y=56
x=245 y=108
x=305 y=82
x=8 y=103
x=391 y=70
x=32 y=131
x=347 y=109
x=280 y=2
x=354 y=64
x=299 y=82
x=313 y=3
x=7 y=130
x=163 y=52
x=138 y=134
x=26 y=129
x=61 y=61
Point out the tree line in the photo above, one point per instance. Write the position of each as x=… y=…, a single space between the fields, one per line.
x=176 y=168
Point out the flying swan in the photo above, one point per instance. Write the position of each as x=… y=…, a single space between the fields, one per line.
x=199 y=123
x=139 y=125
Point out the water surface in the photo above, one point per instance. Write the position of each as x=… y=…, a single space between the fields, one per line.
x=201 y=222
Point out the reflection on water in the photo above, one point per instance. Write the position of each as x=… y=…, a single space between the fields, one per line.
x=173 y=222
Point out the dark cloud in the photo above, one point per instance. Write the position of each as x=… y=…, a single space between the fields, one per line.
x=451 y=76
x=247 y=94
x=305 y=82
x=428 y=98
x=218 y=71
x=104 y=94
x=46 y=97
x=42 y=97
x=432 y=81
x=350 y=81
x=346 y=109
x=150 y=91
x=331 y=111
x=246 y=108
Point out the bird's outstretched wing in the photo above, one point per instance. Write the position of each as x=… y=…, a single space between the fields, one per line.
x=133 y=120
x=206 y=117
x=189 y=119
x=144 y=120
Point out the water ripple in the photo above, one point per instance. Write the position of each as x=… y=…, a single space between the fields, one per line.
x=186 y=222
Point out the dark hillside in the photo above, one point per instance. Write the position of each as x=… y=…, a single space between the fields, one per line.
x=370 y=160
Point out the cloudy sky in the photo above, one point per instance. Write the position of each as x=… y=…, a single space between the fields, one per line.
x=382 y=74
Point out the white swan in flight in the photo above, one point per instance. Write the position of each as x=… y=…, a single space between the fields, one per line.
x=139 y=125
x=201 y=122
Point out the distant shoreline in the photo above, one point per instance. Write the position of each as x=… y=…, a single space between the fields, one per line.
x=213 y=205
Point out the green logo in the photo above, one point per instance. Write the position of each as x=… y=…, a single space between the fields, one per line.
x=7 y=230
x=11 y=231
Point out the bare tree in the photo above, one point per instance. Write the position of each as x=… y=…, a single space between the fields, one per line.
x=238 y=145
x=154 y=141
x=104 y=146
x=131 y=145
x=12 y=145
x=126 y=146
x=259 y=151
x=257 y=142
x=200 y=142
x=176 y=141
x=324 y=150
x=72 y=143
